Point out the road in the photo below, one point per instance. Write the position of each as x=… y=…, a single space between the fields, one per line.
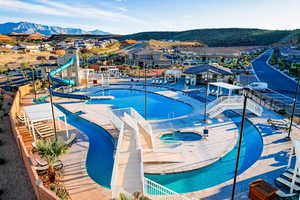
x=275 y=79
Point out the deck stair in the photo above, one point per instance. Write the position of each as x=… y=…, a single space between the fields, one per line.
x=232 y=103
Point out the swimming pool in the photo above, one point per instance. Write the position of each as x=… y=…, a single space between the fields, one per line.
x=158 y=106
x=100 y=158
x=219 y=171
x=99 y=163
x=180 y=136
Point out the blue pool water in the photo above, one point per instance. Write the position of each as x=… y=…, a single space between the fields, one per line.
x=158 y=106
x=181 y=136
x=221 y=170
x=100 y=158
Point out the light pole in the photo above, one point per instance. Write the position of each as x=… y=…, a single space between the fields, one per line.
x=293 y=111
x=33 y=82
x=145 y=86
x=205 y=130
x=52 y=107
x=239 y=144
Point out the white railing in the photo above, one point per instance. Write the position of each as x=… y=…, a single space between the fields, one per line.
x=116 y=121
x=233 y=102
x=139 y=119
x=114 y=187
x=155 y=191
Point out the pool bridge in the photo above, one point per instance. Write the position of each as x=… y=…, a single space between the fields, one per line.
x=224 y=103
x=134 y=139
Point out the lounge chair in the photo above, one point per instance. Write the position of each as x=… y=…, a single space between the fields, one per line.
x=45 y=133
x=41 y=170
x=284 y=195
x=286 y=179
x=20 y=118
x=270 y=121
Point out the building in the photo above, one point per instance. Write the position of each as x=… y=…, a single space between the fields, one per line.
x=211 y=72
x=148 y=57
x=210 y=54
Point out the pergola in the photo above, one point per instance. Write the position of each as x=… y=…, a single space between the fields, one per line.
x=42 y=112
x=221 y=85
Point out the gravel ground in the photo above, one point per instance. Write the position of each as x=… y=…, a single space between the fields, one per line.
x=14 y=180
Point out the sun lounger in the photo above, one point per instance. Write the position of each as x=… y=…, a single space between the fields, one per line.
x=287 y=183
x=20 y=118
x=271 y=121
x=284 y=195
x=280 y=126
x=45 y=134
x=43 y=169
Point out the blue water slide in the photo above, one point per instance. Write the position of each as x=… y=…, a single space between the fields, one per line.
x=58 y=82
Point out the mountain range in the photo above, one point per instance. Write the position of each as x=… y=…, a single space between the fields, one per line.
x=217 y=37
x=27 y=27
x=222 y=37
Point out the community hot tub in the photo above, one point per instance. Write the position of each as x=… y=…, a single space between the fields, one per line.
x=181 y=136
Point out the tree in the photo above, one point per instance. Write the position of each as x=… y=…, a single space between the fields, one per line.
x=51 y=150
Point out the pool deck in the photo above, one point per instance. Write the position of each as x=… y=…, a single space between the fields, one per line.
x=189 y=155
x=269 y=166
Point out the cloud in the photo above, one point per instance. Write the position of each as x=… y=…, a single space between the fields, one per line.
x=123 y=9
x=47 y=7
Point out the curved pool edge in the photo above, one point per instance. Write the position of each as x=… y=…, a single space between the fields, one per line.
x=212 y=190
x=153 y=92
x=84 y=164
x=199 y=165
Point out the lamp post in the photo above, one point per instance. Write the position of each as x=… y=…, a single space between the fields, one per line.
x=33 y=82
x=52 y=107
x=239 y=144
x=293 y=111
x=205 y=130
x=145 y=86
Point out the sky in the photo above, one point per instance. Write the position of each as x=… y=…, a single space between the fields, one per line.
x=130 y=16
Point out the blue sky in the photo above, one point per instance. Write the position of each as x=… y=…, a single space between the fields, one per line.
x=129 y=16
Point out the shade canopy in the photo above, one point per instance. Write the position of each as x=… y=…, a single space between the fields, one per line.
x=226 y=86
x=208 y=68
x=41 y=112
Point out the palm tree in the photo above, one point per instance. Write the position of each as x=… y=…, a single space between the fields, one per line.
x=51 y=150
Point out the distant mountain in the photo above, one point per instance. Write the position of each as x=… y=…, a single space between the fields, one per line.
x=220 y=36
x=27 y=27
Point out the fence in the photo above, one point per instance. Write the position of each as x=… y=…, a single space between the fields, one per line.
x=41 y=192
x=155 y=191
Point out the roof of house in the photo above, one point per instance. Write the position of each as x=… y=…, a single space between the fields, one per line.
x=5 y=37
x=206 y=67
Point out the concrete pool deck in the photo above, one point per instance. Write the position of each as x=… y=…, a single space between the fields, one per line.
x=222 y=133
x=269 y=166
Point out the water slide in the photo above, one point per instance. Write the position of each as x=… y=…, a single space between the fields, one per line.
x=59 y=82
